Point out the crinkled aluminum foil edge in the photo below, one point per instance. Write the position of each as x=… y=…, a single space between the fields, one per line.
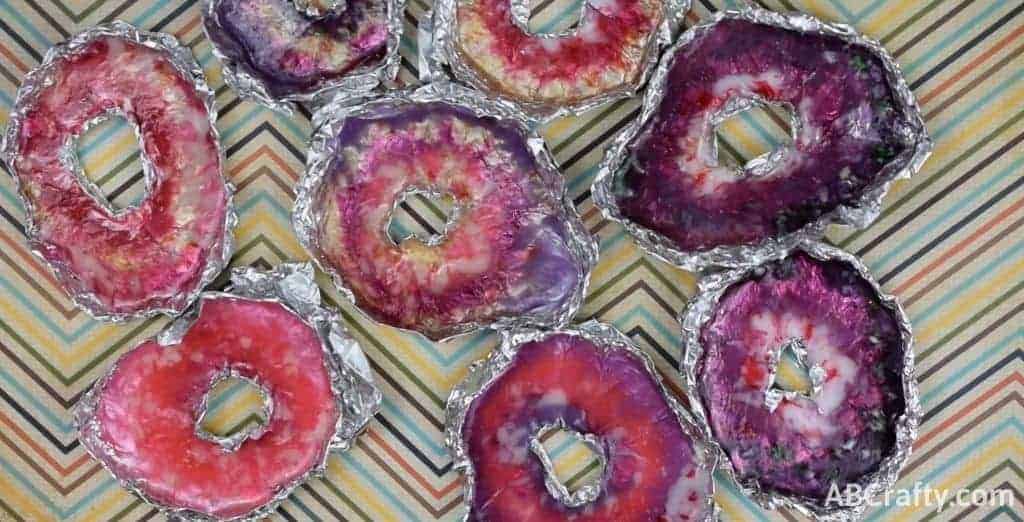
x=329 y=120
x=247 y=85
x=443 y=53
x=699 y=311
x=484 y=372
x=310 y=9
x=584 y=494
x=293 y=286
x=858 y=214
x=39 y=78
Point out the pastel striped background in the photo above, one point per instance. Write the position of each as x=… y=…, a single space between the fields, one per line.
x=949 y=244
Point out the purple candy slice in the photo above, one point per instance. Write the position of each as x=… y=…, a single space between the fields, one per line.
x=858 y=413
x=290 y=54
x=513 y=252
x=856 y=128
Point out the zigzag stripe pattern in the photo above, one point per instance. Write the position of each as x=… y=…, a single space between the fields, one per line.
x=948 y=242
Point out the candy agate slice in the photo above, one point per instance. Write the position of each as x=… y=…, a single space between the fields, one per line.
x=154 y=256
x=144 y=425
x=652 y=468
x=144 y=419
x=855 y=128
x=291 y=53
x=607 y=52
x=801 y=443
x=512 y=253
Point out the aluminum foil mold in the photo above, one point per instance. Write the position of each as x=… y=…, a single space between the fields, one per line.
x=483 y=373
x=240 y=74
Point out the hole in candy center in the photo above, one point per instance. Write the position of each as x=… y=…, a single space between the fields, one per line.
x=791 y=375
x=109 y=156
x=754 y=137
x=549 y=18
x=573 y=463
x=235 y=409
x=423 y=215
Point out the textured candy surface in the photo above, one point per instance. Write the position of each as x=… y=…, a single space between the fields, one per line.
x=292 y=52
x=804 y=444
x=149 y=406
x=506 y=255
x=651 y=473
x=847 y=132
x=606 y=52
x=149 y=256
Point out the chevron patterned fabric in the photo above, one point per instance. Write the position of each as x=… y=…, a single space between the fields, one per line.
x=949 y=244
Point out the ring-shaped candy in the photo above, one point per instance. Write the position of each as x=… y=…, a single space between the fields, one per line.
x=517 y=252
x=276 y=54
x=142 y=420
x=592 y=380
x=856 y=125
x=155 y=256
x=855 y=422
x=608 y=55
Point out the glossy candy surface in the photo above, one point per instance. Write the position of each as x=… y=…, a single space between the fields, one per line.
x=848 y=130
x=146 y=415
x=803 y=444
x=508 y=252
x=151 y=256
x=606 y=52
x=651 y=473
x=291 y=52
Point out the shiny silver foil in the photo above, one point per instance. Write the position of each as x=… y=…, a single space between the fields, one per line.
x=360 y=81
x=586 y=493
x=442 y=57
x=330 y=119
x=484 y=372
x=292 y=285
x=701 y=307
x=318 y=8
x=41 y=77
x=859 y=214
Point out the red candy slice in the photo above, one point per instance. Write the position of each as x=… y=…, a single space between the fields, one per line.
x=141 y=420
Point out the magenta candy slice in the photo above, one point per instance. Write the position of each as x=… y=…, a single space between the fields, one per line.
x=652 y=472
x=805 y=444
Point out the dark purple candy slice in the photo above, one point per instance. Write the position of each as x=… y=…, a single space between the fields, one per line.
x=849 y=121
